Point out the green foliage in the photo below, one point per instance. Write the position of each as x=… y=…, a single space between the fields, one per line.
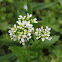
x=26 y=53
x=6 y=57
x=52 y=22
x=39 y=44
x=4 y=25
x=29 y=7
x=40 y=6
x=21 y=53
x=60 y=2
x=56 y=54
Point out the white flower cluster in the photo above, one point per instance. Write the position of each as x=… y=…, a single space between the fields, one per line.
x=23 y=30
x=43 y=33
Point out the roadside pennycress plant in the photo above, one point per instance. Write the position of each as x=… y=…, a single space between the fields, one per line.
x=24 y=29
x=33 y=39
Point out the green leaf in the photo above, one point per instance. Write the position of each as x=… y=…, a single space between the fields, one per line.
x=35 y=43
x=39 y=44
x=40 y=6
x=48 y=43
x=60 y=2
x=4 y=26
x=21 y=53
x=51 y=22
x=29 y=7
x=6 y=57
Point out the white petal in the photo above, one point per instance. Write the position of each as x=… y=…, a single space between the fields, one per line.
x=41 y=27
x=18 y=38
x=20 y=16
x=35 y=19
x=14 y=35
x=28 y=39
x=22 y=40
x=14 y=31
x=23 y=43
x=49 y=28
x=36 y=29
x=24 y=36
x=24 y=17
x=30 y=15
x=14 y=25
x=14 y=39
x=11 y=38
x=46 y=27
x=46 y=37
x=29 y=34
x=27 y=14
x=49 y=38
x=37 y=38
x=17 y=26
x=11 y=34
x=9 y=31
x=12 y=28
x=43 y=39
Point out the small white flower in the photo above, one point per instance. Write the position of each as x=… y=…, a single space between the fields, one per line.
x=26 y=31
x=25 y=23
x=38 y=33
x=43 y=39
x=14 y=38
x=29 y=16
x=31 y=29
x=21 y=17
x=47 y=29
x=14 y=29
x=38 y=30
x=28 y=36
x=19 y=22
x=34 y=20
x=38 y=36
x=42 y=30
x=47 y=34
x=21 y=37
x=10 y=32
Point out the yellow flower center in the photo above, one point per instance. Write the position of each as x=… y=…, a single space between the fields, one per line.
x=32 y=20
x=15 y=29
x=20 y=25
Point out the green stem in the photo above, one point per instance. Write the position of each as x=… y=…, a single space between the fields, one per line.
x=16 y=8
x=37 y=44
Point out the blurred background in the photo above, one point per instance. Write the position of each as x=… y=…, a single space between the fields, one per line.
x=47 y=11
